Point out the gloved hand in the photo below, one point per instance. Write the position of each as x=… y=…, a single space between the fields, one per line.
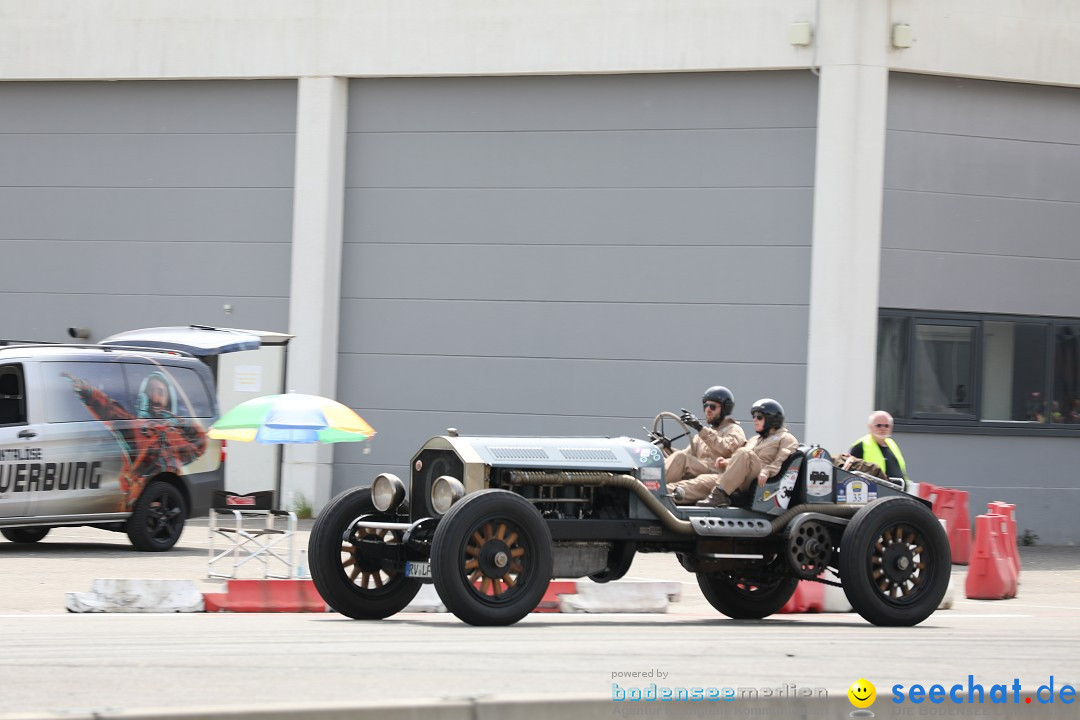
x=688 y=418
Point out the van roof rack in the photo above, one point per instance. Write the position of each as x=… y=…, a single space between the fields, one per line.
x=94 y=346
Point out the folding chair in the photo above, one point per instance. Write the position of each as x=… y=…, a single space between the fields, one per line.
x=260 y=541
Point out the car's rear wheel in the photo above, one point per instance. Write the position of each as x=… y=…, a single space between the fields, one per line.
x=25 y=534
x=491 y=558
x=745 y=598
x=895 y=562
x=158 y=518
x=346 y=567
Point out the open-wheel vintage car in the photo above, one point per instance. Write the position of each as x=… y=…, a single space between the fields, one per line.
x=492 y=520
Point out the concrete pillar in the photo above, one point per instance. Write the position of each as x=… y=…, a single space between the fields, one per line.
x=853 y=38
x=315 y=284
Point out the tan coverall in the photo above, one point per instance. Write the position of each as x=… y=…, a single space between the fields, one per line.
x=694 y=469
x=760 y=455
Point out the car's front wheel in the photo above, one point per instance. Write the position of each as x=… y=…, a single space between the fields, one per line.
x=745 y=598
x=158 y=518
x=491 y=558
x=347 y=567
x=25 y=534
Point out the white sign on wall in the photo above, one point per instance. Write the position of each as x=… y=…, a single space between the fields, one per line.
x=248 y=378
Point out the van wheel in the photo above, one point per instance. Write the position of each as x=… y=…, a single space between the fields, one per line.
x=25 y=534
x=158 y=519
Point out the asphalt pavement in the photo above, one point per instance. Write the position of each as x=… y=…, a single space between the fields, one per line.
x=55 y=664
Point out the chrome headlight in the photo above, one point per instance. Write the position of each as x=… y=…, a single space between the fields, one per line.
x=445 y=491
x=387 y=492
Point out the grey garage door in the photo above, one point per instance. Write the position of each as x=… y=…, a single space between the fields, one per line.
x=133 y=204
x=571 y=255
x=982 y=196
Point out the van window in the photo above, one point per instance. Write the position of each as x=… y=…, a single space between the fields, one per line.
x=73 y=389
x=176 y=391
x=12 y=396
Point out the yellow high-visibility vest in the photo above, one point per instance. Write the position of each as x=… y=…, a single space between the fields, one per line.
x=871 y=452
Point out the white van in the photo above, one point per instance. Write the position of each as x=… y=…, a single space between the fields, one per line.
x=113 y=435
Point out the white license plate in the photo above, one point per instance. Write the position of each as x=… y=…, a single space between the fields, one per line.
x=418 y=569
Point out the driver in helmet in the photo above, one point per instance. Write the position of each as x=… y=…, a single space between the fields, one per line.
x=759 y=459
x=691 y=473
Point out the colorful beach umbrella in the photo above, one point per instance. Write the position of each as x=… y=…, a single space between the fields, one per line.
x=291 y=418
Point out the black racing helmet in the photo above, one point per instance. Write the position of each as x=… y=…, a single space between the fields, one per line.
x=722 y=396
x=773 y=412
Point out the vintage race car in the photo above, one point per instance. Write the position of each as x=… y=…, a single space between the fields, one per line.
x=492 y=520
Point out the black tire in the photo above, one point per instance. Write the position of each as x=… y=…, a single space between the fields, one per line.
x=158 y=518
x=620 y=559
x=742 y=598
x=25 y=534
x=491 y=558
x=351 y=581
x=895 y=562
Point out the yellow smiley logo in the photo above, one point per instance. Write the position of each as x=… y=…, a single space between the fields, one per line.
x=862 y=693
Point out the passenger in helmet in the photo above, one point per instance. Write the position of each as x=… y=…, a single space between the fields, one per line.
x=759 y=459
x=691 y=473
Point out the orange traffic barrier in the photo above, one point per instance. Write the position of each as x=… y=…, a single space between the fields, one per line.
x=550 y=601
x=1009 y=511
x=259 y=596
x=930 y=492
x=809 y=597
x=991 y=575
x=952 y=507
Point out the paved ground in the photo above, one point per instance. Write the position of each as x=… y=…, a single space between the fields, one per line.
x=104 y=665
x=37 y=576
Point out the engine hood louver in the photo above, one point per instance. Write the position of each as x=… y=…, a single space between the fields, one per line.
x=519 y=453
x=591 y=454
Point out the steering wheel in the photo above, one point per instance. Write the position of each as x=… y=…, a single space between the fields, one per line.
x=658 y=430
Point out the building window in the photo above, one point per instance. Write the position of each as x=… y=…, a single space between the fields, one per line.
x=944 y=369
x=986 y=371
x=1066 y=402
x=1014 y=371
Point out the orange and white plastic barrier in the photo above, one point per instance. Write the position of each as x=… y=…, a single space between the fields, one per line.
x=809 y=597
x=951 y=506
x=991 y=575
x=1008 y=511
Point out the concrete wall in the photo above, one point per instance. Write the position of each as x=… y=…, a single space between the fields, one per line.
x=978 y=186
x=138 y=204
x=123 y=39
x=571 y=255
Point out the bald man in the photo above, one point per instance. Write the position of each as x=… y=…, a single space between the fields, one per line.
x=879 y=448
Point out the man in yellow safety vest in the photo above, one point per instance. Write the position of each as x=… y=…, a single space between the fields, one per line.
x=879 y=448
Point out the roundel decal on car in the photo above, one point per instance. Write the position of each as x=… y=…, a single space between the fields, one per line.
x=819 y=477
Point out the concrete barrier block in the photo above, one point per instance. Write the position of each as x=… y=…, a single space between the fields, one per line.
x=427 y=600
x=621 y=597
x=835 y=599
x=950 y=594
x=120 y=595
